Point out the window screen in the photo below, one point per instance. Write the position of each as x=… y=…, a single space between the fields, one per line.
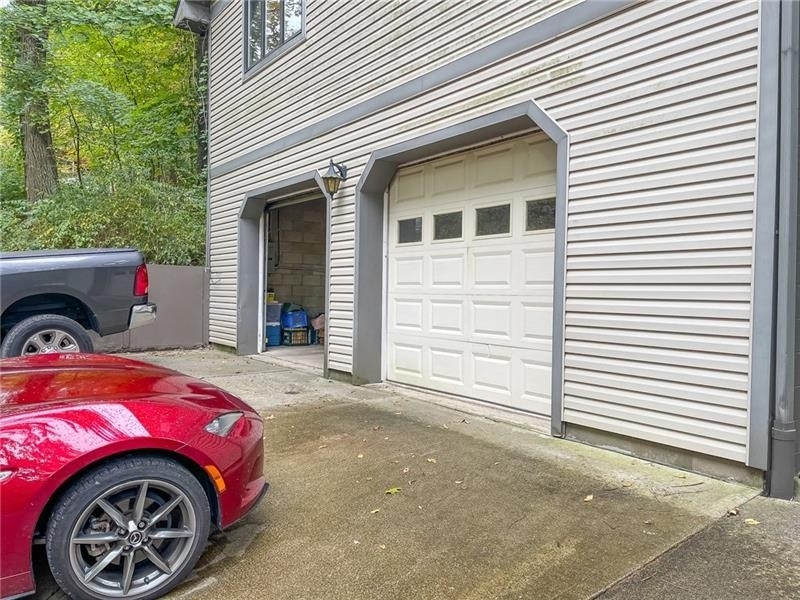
x=447 y=226
x=493 y=220
x=409 y=230
x=540 y=214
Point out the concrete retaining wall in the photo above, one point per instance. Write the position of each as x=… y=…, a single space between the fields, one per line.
x=181 y=294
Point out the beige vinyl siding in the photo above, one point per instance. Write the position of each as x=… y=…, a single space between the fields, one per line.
x=342 y=61
x=660 y=104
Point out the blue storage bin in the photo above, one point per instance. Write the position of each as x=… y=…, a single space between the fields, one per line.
x=294 y=319
x=273 y=331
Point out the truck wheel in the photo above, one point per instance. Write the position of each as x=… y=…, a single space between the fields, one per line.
x=45 y=334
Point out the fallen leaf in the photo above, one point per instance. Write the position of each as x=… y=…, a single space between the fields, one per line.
x=392 y=491
x=406 y=469
x=356 y=542
x=465 y=421
x=360 y=456
x=419 y=507
x=395 y=462
x=648 y=522
x=431 y=460
x=377 y=510
x=376 y=428
x=269 y=418
x=589 y=498
x=382 y=546
x=732 y=512
x=751 y=522
x=681 y=475
x=321 y=447
x=627 y=483
x=398 y=413
x=497 y=463
x=445 y=427
x=369 y=478
x=459 y=482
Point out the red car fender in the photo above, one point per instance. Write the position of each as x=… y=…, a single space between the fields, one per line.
x=71 y=470
x=59 y=480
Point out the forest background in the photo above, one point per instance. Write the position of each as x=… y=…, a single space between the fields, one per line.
x=102 y=128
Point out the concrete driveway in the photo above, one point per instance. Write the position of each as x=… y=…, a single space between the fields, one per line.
x=378 y=494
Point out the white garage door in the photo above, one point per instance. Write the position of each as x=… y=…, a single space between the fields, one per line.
x=471 y=274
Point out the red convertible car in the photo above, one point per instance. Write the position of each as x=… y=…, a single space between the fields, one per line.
x=120 y=468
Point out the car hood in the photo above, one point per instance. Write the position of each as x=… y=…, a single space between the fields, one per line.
x=30 y=382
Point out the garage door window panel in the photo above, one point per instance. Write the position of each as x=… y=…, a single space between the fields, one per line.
x=448 y=226
x=493 y=220
x=540 y=215
x=409 y=231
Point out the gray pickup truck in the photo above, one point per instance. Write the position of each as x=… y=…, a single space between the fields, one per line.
x=49 y=299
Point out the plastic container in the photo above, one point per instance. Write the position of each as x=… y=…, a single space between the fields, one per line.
x=295 y=337
x=294 y=319
x=273 y=331
x=273 y=313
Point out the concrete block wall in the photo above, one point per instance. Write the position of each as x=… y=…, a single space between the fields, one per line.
x=300 y=274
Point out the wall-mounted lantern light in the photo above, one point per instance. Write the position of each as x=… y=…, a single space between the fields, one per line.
x=336 y=174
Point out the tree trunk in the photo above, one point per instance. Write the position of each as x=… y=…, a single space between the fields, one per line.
x=41 y=177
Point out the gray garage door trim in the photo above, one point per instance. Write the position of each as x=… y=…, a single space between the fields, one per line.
x=249 y=296
x=369 y=224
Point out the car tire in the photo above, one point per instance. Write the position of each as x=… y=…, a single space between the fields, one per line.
x=44 y=334
x=106 y=537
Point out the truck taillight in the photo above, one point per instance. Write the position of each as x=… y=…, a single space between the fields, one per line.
x=140 y=282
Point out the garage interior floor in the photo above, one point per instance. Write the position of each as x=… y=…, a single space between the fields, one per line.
x=309 y=357
x=375 y=494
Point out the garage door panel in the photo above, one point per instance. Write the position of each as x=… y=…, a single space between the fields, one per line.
x=491 y=319
x=409 y=271
x=407 y=359
x=449 y=177
x=492 y=373
x=535 y=264
x=536 y=388
x=447 y=316
x=537 y=322
x=447 y=271
x=491 y=268
x=493 y=166
x=409 y=185
x=472 y=315
x=407 y=314
x=540 y=160
x=447 y=366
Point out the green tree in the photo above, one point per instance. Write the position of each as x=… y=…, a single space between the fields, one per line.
x=116 y=95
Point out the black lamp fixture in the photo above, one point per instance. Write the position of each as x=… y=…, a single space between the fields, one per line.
x=336 y=174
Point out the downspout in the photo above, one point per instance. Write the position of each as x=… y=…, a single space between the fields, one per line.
x=784 y=435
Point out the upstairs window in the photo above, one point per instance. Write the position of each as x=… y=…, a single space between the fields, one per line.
x=271 y=24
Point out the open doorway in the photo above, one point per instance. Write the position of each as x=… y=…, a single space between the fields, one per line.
x=294 y=281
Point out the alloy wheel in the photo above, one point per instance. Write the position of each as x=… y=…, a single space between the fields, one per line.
x=50 y=341
x=132 y=538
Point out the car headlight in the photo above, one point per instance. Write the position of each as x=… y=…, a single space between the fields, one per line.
x=223 y=424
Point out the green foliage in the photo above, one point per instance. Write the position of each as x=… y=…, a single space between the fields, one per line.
x=164 y=221
x=124 y=93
